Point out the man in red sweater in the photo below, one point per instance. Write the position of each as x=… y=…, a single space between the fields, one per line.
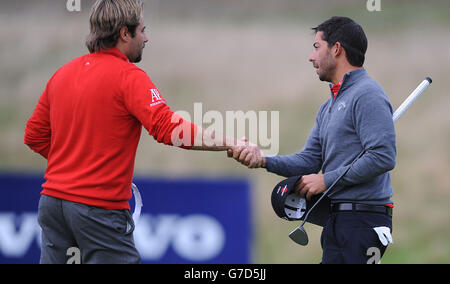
x=87 y=124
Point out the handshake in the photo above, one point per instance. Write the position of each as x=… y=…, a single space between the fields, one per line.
x=247 y=154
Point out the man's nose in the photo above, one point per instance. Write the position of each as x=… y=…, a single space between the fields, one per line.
x=312 y=57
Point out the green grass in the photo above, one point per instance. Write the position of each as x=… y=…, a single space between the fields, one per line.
x=247 y=57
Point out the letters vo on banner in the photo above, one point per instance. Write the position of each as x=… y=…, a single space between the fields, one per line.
x=183 y=220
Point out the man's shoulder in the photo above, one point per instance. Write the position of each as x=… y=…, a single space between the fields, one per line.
x=369 y=91
x=104 y=67
x=369 y=85
x=131 y=68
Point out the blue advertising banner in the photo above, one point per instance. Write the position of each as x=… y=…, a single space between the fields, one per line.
x=187 y=220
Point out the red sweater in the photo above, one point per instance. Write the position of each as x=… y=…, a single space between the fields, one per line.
x=88 y=122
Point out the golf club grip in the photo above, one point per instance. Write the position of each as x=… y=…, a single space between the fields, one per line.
x=411 y=98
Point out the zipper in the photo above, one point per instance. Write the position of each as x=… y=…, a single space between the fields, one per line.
x=333 y=99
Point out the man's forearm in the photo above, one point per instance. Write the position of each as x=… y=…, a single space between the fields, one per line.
x=40 y=145
x=212 y=141
x=294 y=164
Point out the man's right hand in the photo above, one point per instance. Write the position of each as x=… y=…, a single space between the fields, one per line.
x=247 y=154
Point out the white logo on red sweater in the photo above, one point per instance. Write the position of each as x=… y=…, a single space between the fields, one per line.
x=156 y=97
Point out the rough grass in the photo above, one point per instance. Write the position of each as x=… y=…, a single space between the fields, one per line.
x=239 y=58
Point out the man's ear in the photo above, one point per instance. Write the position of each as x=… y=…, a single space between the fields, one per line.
x=124 y=34
x=337 y=49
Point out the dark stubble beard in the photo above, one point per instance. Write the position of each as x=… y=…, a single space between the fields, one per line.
x=328 y=67
x=138 y=57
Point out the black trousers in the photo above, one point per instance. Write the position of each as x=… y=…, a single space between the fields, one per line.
x=349 y=238
x=79 y=233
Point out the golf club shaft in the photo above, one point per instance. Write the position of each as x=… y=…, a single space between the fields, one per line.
x=397 y=114
x=332 y=185
x=411 y=98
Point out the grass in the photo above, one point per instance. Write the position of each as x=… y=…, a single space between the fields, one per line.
x=247 y=57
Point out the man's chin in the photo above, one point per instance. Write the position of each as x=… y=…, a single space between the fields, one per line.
x=138 y=59
x=324 y=77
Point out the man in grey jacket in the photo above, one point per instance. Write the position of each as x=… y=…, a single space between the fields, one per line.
x=357 y=117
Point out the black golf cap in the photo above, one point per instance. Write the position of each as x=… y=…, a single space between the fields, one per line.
x=285 y=202
x=290 y=206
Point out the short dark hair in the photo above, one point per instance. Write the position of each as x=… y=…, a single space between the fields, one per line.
x=349 y=34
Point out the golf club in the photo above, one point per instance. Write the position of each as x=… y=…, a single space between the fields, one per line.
x=299 y=235
x=137 y=204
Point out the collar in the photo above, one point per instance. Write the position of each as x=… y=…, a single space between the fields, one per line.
x=114 y=51
x=335 y=88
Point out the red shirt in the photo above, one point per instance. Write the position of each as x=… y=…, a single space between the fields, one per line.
x=88 y=122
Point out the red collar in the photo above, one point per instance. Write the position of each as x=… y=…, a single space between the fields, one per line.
x=115 y=52
x=335 y=88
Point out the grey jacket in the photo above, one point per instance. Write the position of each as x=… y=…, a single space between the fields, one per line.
x=359 y=118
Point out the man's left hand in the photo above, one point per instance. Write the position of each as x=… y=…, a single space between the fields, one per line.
x=310 y=185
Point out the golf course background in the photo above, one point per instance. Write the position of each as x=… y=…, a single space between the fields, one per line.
x=252 y=55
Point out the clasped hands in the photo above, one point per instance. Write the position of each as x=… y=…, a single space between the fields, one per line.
x=247 y=153
x=250 y=155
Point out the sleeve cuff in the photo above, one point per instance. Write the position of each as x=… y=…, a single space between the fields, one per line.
x=330 y=178
x=270 y=163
